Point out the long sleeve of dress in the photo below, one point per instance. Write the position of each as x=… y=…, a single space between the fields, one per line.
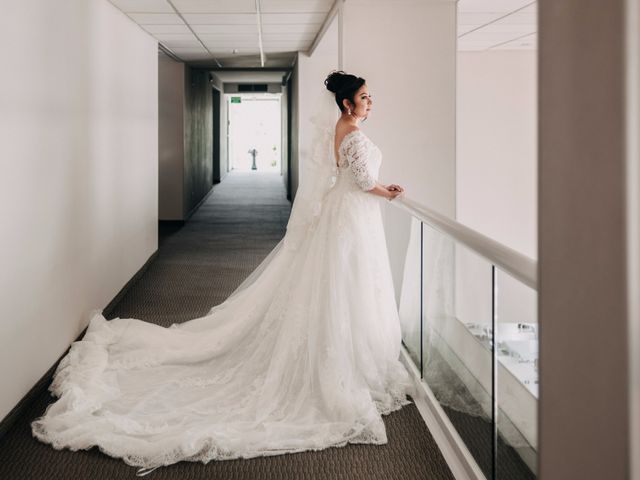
x=356 y=154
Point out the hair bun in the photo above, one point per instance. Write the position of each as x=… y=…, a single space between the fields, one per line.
x=344 y=86
x=335 y=80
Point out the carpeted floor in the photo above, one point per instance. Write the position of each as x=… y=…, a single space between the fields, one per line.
x=198 y=265
x=477 y=433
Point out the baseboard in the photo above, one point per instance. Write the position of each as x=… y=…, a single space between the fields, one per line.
x=44 y=382
x=111 y=305
x=460 y=461
x=202 y=200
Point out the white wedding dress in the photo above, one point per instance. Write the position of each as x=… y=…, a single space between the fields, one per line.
x=304 y=355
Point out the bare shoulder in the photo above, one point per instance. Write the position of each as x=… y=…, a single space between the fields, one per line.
x=344 y=129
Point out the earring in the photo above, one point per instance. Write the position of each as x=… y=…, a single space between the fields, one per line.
x=349 y=111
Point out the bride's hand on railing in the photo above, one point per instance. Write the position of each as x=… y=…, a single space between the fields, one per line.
x=394 y=190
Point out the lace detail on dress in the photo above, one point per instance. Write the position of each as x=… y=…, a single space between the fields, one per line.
x=355 y=150
x=304 y=355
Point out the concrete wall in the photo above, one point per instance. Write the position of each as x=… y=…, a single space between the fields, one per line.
x=220 y=113
x=284 y=128
x=186 y=138
x=198 y=138
x=224 y=137
x=295 y=131
x=79 y=189
x=216 y=105
x=171 y=88
x=224 y=130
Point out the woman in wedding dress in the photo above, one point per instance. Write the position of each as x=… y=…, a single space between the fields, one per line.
x=303 y=355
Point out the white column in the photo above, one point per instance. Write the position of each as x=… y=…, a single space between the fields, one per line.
x=583 y=264
x=406 y=51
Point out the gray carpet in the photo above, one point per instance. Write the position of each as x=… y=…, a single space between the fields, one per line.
x=476 y=433
x=198 y=266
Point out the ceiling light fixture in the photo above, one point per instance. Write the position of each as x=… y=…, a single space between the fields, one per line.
x=259 y=20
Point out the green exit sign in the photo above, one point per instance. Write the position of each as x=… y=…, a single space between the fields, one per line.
x=236 y=99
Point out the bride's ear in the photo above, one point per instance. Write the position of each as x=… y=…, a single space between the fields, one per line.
x=345 y=104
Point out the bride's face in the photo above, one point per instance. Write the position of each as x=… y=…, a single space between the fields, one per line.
x=363 y=102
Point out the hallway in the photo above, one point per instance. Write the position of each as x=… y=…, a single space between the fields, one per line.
x=198 y=266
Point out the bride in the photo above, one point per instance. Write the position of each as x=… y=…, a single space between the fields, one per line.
x=303 y=355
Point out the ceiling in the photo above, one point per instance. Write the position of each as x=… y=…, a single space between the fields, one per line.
x=497 y=25
x=206 y=32
x=228 y=33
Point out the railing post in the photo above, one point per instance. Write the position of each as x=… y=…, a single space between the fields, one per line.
x=494 y=370
x=421 y=299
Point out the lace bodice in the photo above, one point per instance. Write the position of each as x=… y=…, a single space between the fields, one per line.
x=362 y=157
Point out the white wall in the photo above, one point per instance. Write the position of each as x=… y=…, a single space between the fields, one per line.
x=496 y=143
x=78 y=190
x=405 y=50
x=496 y=175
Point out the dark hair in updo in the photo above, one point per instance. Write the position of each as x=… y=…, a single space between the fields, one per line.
x=344 y=85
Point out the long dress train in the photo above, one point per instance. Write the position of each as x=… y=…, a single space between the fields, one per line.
x=306 y=357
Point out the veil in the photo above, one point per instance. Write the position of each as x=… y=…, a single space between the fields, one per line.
x=318 y=171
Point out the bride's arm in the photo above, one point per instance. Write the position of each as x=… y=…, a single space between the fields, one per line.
x=356 y=153
x=383 y=191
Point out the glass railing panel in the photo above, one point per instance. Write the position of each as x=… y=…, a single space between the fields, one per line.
x=409 y=300
x=457 y=340
x=516 y=379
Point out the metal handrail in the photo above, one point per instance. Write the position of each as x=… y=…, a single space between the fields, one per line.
x=511 y=261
